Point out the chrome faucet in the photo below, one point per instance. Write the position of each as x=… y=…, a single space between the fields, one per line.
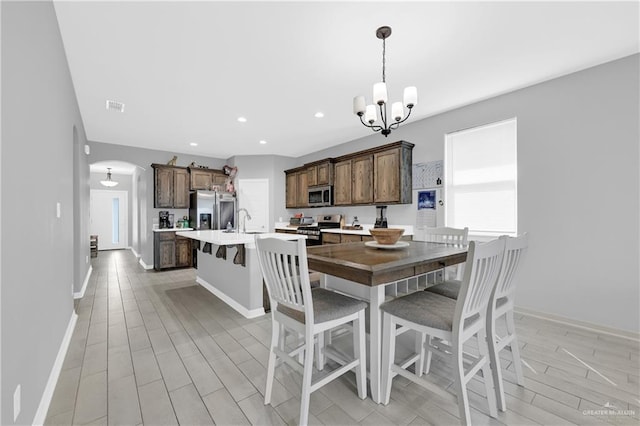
x=244 y=222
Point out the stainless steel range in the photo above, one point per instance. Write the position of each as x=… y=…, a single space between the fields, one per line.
x=313 y=232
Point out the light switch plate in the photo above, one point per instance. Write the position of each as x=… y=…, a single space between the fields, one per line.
x=58 y=210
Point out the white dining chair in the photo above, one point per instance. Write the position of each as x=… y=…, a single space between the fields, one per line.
x=452 y=322
x=298 y=308
x=445 y=235
x=501 y=305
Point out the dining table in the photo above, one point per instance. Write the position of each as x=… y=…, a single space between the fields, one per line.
x=375 y=273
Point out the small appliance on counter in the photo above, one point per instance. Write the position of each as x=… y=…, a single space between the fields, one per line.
x=164 y=219
x=381 y=219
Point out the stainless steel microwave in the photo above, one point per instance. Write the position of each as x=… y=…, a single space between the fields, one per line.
x=320 y=196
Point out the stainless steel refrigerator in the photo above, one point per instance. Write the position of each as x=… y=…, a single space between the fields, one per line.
x=212 y=210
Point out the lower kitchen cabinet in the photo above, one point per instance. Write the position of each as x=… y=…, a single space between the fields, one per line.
x=171 y=251
x=335 y=238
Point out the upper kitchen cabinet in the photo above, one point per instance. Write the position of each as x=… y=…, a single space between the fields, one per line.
x=342 y=186
x=379 y=175
x=392 y=180
x=206 y=179
x=296 y=187
x=362 y=188
x=320 y=173
x=171 y=187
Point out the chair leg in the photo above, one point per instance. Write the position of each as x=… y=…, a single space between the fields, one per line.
x=388 y=355
x=427 y=361
x=494 y=360
x=419 y=365
x=515 y=349
x=320 y=361
x=457 y=364
x=271 y=365
x=307 y=375
x=487 y=375
x=359 y=352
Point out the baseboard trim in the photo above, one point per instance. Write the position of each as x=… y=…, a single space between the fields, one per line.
x=135 y=253
x=624 y=334
x=253 y=313
x=80 y=294
x=144 y=265
x=47 y=395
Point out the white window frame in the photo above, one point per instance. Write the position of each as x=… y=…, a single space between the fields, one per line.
x=449 y=191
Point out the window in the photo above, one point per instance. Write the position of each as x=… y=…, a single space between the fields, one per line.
x=481 y=179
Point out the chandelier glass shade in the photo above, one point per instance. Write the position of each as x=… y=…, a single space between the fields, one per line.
x=369 y=113
x=108 y=182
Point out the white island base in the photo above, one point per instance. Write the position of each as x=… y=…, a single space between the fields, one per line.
x=237 y=285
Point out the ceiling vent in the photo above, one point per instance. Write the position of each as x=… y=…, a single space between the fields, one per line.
x=115 y=106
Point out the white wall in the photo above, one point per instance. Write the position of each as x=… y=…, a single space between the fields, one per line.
x=38 y=262
x=578 y=187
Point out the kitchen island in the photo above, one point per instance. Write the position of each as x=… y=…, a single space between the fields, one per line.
x=228 y=267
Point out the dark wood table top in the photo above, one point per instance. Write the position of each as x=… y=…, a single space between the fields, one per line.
x=371 y=266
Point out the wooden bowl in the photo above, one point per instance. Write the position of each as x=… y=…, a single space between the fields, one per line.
x=386 y=236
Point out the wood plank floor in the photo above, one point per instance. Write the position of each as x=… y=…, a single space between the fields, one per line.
x=155 y=348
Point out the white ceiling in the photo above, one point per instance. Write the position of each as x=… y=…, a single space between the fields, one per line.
x=186 y=70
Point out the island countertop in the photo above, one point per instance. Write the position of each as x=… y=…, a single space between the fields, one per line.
x=221 y=238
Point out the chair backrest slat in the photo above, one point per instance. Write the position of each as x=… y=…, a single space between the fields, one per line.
x=514 y=253
x=443 y=234
x=483 y=266
x=286 y=274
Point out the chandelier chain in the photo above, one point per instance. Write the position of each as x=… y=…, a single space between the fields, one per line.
x=383 y=58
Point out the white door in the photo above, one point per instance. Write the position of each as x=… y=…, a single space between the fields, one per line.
x=253 y=195
x=109 y=221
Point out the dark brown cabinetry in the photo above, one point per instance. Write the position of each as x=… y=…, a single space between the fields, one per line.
x=296 y=187
x=342 y=185
x=206 y=179
x=354 y=181
x=320 y=173
x=379 y=175
x=171 y=251
x=392 y=178
x=171 y=187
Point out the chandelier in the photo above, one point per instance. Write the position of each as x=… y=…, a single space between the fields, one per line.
x=108 y=182
x=386 y=124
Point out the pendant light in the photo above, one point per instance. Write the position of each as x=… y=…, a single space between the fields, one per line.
x=368 y=114
x=108 y=182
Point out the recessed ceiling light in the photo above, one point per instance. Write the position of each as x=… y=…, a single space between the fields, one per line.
x=262 y=142
x=319 y=114
x=193 y=144
x=242 y=119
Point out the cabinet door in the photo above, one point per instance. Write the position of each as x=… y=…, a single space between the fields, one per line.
x=387 y=176
x=342 y=186
x=350 y=238
x=291 y=190
x=324 y=174
x=303 y=186
x=201 y=179
x=312 y=176
x=183 y=251
x=328 y=238
x=164 y=188
x=362 y=171
x=219 y=179
x=166 y=254
x=181 y=189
